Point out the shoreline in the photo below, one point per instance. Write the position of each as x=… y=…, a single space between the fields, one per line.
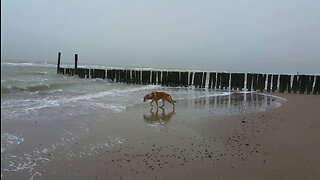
x=188 y=144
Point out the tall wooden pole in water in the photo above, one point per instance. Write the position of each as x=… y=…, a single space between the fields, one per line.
x=75 y=61
x=58 y=65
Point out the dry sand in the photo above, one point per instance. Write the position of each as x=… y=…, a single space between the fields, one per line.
x=279 y=143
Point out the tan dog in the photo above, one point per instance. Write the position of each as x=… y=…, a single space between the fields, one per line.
x=156 y=96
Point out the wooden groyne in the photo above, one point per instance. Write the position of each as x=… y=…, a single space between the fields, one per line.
x=309 y=84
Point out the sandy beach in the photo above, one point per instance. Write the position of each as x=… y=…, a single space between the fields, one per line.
x=206 y=138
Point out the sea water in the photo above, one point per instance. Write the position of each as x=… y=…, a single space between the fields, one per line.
x=33 y=93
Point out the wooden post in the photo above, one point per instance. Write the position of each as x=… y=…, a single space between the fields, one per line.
x=197 y=79
x=282 y=83
x=295 y=84
x=133 y=76
x=274 y=82
x=148 y=77
x=172 y=78
x=138 y=76
x=190 y=78
x=218 y=80
x=128 y=77
x=261 y=82
x=210 y=80
x=310 y=84
x=214 y=80
x=316 y=89
x=255 y=82
x=227 y=80
x=108 y=74
x=169 y=80
x=91 y=73
x=86 y=73
x=237 y=81
x=200 y=79
x=96 y=73
x=80 y=72
x=83 y=73
x=159 y=77
x=113 y=75
x=288 y=83
x=269 y=82
x=204 y=78
x=58 y=65
x=242 y=77
x=165 y=78
x=223 y=80
x=123 y=76
x=249 y=81
x=233 y=81
x=184 y=79
x=103 y=71
x=153 y=77
x=75 y=61
x=176 y=78
x=117 y=75
x=303 y=83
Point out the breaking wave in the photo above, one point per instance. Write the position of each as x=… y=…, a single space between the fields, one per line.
x=31 y=88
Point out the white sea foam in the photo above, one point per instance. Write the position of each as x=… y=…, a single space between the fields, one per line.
x=114 y=141
x=112 y=92
x=45 y=64
x=9 y=141
x=269 y=95
x=28 y=161
x=115 y=100
x=113 y=108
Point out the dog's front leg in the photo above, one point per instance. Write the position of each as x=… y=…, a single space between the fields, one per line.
x=157 y=103
x=151 y=103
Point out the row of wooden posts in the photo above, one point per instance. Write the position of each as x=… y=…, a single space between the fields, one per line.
x=215 y=80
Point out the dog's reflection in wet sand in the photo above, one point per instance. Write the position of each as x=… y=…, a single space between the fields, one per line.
x=155 y=117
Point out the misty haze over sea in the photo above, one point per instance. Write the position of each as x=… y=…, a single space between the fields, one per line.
x=238 y=36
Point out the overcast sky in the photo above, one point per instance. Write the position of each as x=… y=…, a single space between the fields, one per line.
x=231 y=35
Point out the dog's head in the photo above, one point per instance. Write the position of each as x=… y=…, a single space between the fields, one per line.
x=146 y=97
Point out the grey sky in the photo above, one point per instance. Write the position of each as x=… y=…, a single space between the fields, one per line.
x=232 y=35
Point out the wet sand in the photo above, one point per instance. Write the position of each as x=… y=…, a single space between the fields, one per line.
x=207 y=138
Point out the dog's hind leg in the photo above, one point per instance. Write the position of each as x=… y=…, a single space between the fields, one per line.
x=157 y=103
x=170 y=100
